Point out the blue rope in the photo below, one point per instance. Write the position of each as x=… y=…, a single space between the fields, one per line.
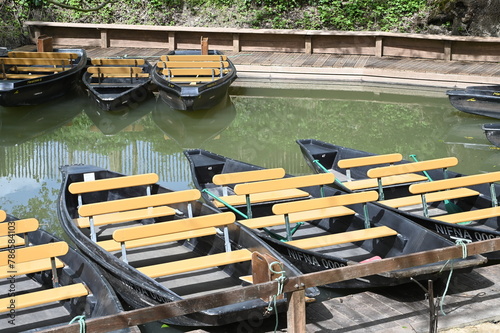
x=281 y=283
x=81 y=321
x=458 y=242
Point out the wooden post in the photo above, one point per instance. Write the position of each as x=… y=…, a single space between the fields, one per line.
x=172 y=43
x=447 y=50
x=104 y=39
x=308 y=45
x=379 y=47
x=204 y=45
x=296 y=313
x=236 y=43
x=44 y=44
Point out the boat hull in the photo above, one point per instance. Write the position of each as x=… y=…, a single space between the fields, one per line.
x=482 y=101
x=196 y=97
x=43 y=89
x=411 y=236
x=139 y=290
x=329 y=154
x=492 y=132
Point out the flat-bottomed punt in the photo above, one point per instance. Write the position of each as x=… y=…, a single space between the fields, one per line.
x=189 y=80
x=314 y=225
x=116 y=84
x=454 y=205
x=45 y=283
x=477 y=100
x=31 y=78
x=155 y=245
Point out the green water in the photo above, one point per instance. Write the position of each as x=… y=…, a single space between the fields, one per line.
x=259 y=125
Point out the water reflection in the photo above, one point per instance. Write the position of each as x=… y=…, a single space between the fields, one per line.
x=191 y=129
x=259 y=124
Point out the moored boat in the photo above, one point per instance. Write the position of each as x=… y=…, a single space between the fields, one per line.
x=477 y=100
x=31 y=78
x=41 y=297
x=492 y=132
x=448 y=195
x=171 y=249
x=325 y=228
x=118 y=83
x=190 y=80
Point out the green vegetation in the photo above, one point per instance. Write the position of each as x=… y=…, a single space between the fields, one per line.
x=351 y=15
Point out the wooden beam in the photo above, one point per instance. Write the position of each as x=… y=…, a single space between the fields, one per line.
x=263 y=290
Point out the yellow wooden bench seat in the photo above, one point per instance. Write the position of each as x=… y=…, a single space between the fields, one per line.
x=10 y=230
x=236 y=200
x=188 y=265
x=248 y=176
x=174 y=72
x=3 y=215
x=344 y=237
x=123 y=62
x=430 y=197
x=11 y=240
x=193 y=64
x=193 y=57
x=284 y=183
x=35 y=61
x=34 y=69
x=349 y=163
x=126 y=216
x=368 y=183
x=331 y=201
x=310 y=215
x=21 y=76
x=113 y=183
x=129 y=204
x=192 y=80
x=399 y=169
x=29 y=267
x=54 y=55
x=44 y=296
x=117 y=72
x=444 y=184
x=473 y=215
x=112 y=245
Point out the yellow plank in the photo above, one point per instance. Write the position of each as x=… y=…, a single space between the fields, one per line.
x=34 y=61
x=236 y=200
x=192 y=80
x=3 y=215
x=318 y=203
x=44 y=297
x=191 y=71
x=39 y=69
x=444 y=184
x=310 y=215
x=430 y=197
x=399 y=169
x=21 y=76
x=194 y=264
x=343 y=238
x=386 y=181
x=28 y=267
x=248 y=176
x=18 y=226
x=54 y=55
x=33 y=253
x=193 y=57
x=130 y=215
x=170 y=227
x=6 y=241
x=125 y=62
x=473 y=215
x=112 y=245
x=284 y=183
x=114 y=70
x=193 y=64
x=369 y=160
x=113 y=183
x=154 y=200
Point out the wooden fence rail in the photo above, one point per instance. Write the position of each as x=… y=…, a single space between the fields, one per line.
x=295 y=287
x=378 y=44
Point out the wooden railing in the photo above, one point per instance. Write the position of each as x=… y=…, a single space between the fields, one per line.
x=378 y=44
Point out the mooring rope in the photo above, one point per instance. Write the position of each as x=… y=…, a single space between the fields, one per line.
x=281 y=283
x=81 y=321
x=459 y=242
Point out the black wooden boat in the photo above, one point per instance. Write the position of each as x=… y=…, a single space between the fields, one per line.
x=325 y=157
x=477 y=100
x=492 y=132
x=31 y=78
x=118 y=83
x=188 y=80
x=73 y=272
x=135 y=274
x=327 y=231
